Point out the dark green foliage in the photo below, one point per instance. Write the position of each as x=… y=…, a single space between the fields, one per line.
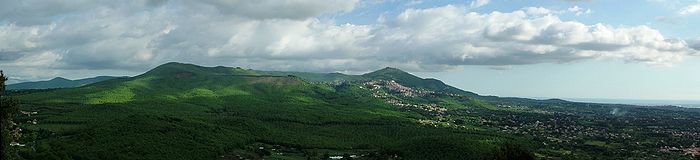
x=8 y=110
x=444 y=148
x=183 y=111
x=457 y=147
x=511 y=150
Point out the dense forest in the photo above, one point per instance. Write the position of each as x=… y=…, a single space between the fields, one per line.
x=184 y=111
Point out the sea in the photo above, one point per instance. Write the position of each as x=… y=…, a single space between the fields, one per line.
x=679 y=103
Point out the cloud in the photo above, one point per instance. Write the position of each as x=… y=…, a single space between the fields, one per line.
x=134 y=37
x=413 y=3
x=690 y=9
x=449 y=35
x=665 y=19
x=33 y=12
x=578 y=11
x=537 y=10
x=293 y=9
x=695 y=44
x=479 y=3
x=37 y=59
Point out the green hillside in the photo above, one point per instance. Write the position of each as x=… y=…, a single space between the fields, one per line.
x=388 y=73
x=184 y=111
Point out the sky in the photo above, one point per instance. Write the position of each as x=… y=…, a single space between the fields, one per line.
x=622 y=49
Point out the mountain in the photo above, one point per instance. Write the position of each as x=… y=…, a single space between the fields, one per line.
x=387 y=73
x=58 y=82
x=410 y=80
x=186 y=111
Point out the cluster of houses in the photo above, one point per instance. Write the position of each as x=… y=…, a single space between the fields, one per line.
x=28 y=113
x=18 y=131
x=558 y=130
x=528 y=109
x=690 y=151
x=562 y=129
x=393 y=86
x=695 y=151
x=432 y=108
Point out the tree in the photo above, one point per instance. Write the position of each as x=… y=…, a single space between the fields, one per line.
x=8 y=109
x=511 y=150
x=326 y=156
x=346 y=156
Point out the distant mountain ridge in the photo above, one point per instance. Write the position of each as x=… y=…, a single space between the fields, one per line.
x=58 y=82
x=387 y=73
x=179 y=69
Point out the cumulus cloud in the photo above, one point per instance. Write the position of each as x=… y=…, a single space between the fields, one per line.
x=273 y=35
x=479 y=3
x=449 y=35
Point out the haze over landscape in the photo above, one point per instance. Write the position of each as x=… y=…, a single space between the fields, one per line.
x=350 y=79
